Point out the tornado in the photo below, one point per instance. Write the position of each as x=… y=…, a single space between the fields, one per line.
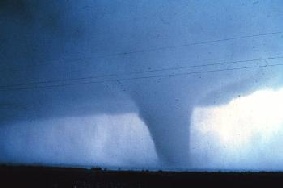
x=166 y=108
x=71 y=58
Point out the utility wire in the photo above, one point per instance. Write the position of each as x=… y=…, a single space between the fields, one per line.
x=152 y=49
x=142 y=72
x=198 y=43
x=135 y=72
x=38 y=85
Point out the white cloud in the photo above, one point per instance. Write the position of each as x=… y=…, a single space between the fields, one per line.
x=241 y=133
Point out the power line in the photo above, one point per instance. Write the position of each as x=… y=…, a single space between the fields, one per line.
x=136 y=72
x=127 y=53
x=56 y=85
x=139 y=72
x=198 y=43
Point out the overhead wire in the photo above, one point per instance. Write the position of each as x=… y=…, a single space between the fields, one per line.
x=88 y=80
x=127 y=53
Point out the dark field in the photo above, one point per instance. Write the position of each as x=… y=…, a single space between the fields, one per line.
x=27 y=176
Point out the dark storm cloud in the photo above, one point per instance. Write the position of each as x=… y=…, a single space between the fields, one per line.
x=44 y=41
x=70 y=58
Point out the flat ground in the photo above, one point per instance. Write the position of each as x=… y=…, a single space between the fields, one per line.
x=36 y=176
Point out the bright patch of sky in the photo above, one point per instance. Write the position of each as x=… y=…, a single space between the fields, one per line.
x=246 y=133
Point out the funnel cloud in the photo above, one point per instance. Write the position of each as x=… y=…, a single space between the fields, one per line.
x=157 y=60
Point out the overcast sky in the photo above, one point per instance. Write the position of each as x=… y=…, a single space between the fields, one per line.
x=141 y=84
